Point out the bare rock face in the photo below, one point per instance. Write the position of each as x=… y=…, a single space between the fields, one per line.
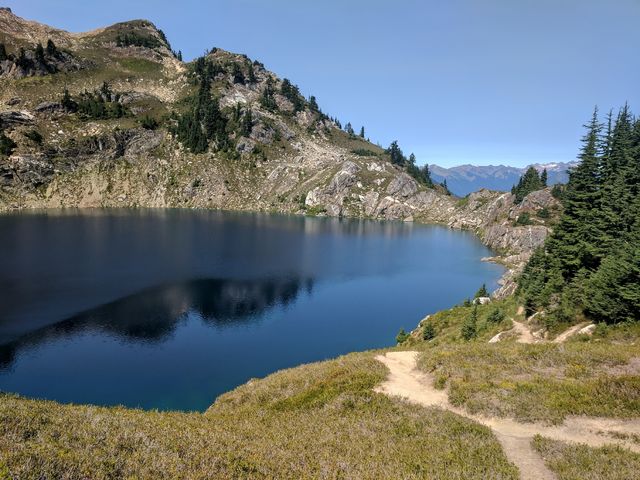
x=49 y=107
x=262 y=133
x=286 y=133
x=534 y=202
x=369 y=202
x=14 y=118
x=245 y=145
x=284 y=105
x=342 y=180
x=505 y=237
x=305 y=118
x=31 y=66
x=391 y=208
x=142 y=141
x=35 y=170
x=402 y=186
x=332 y=196
x=493 y=216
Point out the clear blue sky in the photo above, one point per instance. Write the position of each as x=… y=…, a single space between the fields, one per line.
x=455 y=81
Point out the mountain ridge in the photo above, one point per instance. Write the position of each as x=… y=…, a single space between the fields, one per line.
x=467 y=178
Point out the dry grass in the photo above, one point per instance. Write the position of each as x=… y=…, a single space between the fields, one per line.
x=540 y=382
x=536 y=382
x=315 y=421
x=579 y=462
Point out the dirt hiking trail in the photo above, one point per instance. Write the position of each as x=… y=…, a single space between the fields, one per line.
x=406 y=381
x=525 y=335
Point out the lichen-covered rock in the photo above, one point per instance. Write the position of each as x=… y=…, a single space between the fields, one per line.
x=343 y=179
x=508 y=238
x=35 y=170
x=245 y=145
x=402 y=186
x=48 y=107
x=12 y=118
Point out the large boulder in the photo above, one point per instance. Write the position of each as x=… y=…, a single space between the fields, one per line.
x=12 y=118
x=49 y=107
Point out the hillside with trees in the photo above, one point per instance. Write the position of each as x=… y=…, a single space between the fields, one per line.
x=529 y=182
x=115 y=118
x=590 y=266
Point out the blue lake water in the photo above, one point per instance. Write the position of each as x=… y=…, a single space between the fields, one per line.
x=168 y=309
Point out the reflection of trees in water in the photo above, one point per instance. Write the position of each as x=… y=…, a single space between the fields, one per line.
x=152 y=315
x=168 y=243
x=108 y=218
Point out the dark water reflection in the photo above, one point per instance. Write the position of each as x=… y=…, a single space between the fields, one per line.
x=169 y=308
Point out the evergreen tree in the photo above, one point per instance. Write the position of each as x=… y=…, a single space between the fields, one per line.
x=482 y=292
x=106 y=92
x=429 y=331
x=3 y=53
x=148 y=123
x=291 y=93
x=619 y=173
x=251 y=75
x=421 y=174
x=237 y=74
x=529 y=182
x=469 y=327
x=426 y=175
x=606 y=141
x=349 y=129
x=200 y=67
x=267 y=100
x=395 y=154
x=204 y=122
x=591 y=262
x=22 y=61
x=51 y=48
x=67 y=102
x=446 y=187
x=543 y=177
x=313 y=104
x=237 y=112
x=179 y=55
x=214 y=123
x=247 y=123
x=402 y=336
x=576 y=243
x=496 y=316
x=362 y=132
x=613 y=292
x=40 y=53
x=7 y=146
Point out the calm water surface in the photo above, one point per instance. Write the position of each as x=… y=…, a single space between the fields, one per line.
x=168 y=309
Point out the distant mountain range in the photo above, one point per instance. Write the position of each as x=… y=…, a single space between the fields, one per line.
x=465 y=179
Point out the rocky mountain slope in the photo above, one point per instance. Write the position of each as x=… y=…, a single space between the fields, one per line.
x=288 y=159
x=105 y=119
x=465 y=179
x=512 y=229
